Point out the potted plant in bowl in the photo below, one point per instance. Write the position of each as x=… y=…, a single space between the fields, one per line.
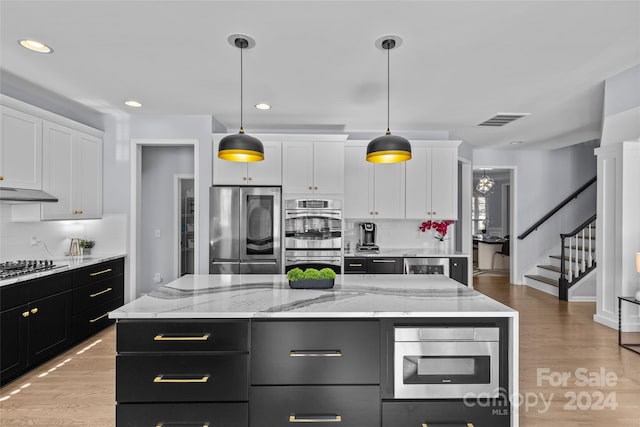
x=311 y=278
x=86 y=246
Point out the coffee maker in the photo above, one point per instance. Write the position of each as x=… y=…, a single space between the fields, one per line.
x=367 y=241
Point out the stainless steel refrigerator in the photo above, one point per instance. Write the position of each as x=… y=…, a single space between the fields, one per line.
x=245 y=230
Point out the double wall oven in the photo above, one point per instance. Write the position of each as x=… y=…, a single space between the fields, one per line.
x=313 y=234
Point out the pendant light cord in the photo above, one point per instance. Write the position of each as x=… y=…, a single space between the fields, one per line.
x=388 y=91
x=241 y=94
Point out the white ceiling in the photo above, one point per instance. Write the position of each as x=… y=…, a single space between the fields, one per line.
x=315 y=62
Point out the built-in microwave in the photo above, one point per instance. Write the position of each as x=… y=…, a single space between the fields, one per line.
x=454 y=362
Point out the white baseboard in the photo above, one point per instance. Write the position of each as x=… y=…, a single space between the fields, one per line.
x=612 y=323
x=582 y=298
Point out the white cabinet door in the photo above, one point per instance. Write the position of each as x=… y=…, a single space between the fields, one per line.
x=57 y=171
x=418 y=177
x=444 y=183
x=226 y=172
x=87 y=165
x=268 y=171
x=20 y=150
x=328 y=167
x=388 y=183
x=72 y=171
x=297 y=167
x=358 y=188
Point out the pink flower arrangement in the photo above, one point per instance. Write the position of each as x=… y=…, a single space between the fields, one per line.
x=440 y=228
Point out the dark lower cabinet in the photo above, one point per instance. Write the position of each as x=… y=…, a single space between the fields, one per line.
x=182 y=414
x=373 y=265
x=13 y=342
x=458 y=268
x=445 y=413
x=346 y=406
x=49 y=327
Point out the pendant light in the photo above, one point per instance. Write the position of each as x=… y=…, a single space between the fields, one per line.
x=388 y=148
x=241 y=147
x=485 y=185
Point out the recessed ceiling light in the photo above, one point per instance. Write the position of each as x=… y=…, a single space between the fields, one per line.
x=516 y=142
x=35 y=46
x=263 y=106
x=132 y=103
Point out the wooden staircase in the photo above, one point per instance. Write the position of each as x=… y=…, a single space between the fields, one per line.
x=576 y=261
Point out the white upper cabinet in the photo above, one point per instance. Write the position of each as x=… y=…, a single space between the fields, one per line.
x=20 y=150
x=372 y=190
x=265 y=172
x=313 y=167
x=72 y=172
x=432 y=181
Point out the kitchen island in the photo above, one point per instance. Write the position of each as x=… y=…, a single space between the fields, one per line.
x=246 y=350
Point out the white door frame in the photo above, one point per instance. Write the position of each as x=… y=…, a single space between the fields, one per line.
x=466 y=189
x=514 y=271
x=135 y=205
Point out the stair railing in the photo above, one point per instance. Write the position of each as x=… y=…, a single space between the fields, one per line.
x=560 y=205
x=580 y=256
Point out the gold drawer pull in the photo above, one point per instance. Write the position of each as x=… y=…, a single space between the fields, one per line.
x=1 y=178
x=97 y=273
x=384 y=260
x=99 y=317
x=25 y=314
x=315 y=353
x=205 y=424
x=34 y=310
x=100 y=293
x=315 y=418
x=355 y=265
x=448 y=424
x=168 y=337
x=161 y=379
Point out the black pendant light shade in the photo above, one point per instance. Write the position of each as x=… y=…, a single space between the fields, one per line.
x=388 y=148
x=241 y=147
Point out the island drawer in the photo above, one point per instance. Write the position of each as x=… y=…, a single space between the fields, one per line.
x=315 y=352
x=346 y=406
x=353 y=265
x=442 y=412
x=182 y=415
x=96 y=272
x=182 y=336
x=182 y=378
x=96 y=293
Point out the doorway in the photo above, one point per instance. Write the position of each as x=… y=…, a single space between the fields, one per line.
x=185 y=231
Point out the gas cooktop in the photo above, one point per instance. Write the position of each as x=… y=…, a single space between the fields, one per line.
x=13 y=269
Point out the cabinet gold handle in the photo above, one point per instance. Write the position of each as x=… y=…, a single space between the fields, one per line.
x=377 y=213
x=315 y=353
x=315 y=188
x=166 y=337
x=250 y=179
x=383 y=260
x=310 y=188
x=99 y=317
x=100 y=293
x=244 y=178
x=355 y=265
x=97 y=273
x=25 y=314
x=370 y=213
x=205 y=424
x=80 y=212
x=434 y=212
x=452 y=425
x=315 y=418
x=161 y=379
x=1 y=178
x=34 y=310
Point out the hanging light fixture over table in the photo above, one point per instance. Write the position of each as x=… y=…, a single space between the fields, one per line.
x=241 y=147
x=388 y=148
x=485 y=184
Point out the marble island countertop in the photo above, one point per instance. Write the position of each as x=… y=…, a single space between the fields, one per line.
x=269 y=296
x=62 y=265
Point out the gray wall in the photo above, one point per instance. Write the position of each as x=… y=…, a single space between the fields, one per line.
x=159 y=165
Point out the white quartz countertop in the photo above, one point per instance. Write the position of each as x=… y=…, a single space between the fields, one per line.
x=408 y=253
x=62 y=265
x=269 y=296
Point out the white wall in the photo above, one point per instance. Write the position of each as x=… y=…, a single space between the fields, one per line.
x=159 y=166
x=544 y=179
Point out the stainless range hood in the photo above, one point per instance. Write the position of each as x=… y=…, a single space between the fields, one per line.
x=25 y=195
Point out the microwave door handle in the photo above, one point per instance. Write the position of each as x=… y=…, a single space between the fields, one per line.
x=447 y=424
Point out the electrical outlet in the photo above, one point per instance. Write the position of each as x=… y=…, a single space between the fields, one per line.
x=157 y=278
x=35 y=241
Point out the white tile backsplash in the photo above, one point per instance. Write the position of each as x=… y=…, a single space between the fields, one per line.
x=399 y=234
x=110 y=234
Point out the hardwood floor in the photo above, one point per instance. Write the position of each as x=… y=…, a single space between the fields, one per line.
x=555 y=337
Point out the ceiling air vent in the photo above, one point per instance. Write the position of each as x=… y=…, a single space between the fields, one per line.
x=502 y=119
